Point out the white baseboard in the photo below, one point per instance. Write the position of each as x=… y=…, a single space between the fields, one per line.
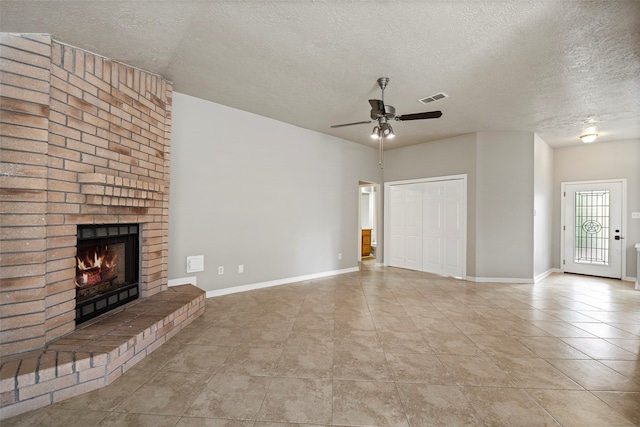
x=545 y=274
x=261 y=285
x=499 y=280
x=184 y=281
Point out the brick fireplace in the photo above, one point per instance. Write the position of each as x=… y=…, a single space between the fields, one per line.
x=84 y=140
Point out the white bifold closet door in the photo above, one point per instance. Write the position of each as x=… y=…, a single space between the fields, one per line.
x=442 y=228
x=406 y=226
x=427 y=227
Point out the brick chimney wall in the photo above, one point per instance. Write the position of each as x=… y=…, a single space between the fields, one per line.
x=83 y=140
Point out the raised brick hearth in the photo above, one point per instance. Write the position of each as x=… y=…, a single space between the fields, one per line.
x=96 y=353
x=84 y=140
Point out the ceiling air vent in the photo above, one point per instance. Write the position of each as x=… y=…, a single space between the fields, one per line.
x=432 y=98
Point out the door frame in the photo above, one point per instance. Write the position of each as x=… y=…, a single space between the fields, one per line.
x=386 y=230
x=623 y=250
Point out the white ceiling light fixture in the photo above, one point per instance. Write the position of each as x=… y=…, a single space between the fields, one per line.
x=588 y=138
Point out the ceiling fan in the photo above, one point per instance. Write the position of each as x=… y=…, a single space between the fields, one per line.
x=382 y=113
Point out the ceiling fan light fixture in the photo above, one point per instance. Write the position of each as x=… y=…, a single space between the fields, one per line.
x=388 y=132
x=375 y=133
x=588 y=138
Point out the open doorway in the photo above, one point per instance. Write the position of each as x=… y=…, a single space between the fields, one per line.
x=368 y=194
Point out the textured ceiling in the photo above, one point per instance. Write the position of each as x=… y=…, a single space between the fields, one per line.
x=553 y=67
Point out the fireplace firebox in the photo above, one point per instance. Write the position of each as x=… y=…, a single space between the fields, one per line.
x=107 y=268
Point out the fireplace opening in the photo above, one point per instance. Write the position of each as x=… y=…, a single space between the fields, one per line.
x=107 y=268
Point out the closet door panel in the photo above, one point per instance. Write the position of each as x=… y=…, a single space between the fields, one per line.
x=413 y=227
x=433 y=224
x=453 y=228
x=396 y=220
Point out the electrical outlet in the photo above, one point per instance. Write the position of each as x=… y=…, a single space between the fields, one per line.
x=635 y=215
x=220 y=270
x=340 y=255
x=241 y=268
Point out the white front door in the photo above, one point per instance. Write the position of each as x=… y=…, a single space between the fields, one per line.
x=593 y=228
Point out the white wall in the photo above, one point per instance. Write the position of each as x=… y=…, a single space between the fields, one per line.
x=605 y=160
x=365 y=210
x=504 y=205
x=245 y=189
x=543 y=208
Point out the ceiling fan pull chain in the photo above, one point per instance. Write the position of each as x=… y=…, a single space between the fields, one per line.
x=381 y=161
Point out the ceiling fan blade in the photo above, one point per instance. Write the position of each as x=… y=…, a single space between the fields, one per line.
x=377 y=106
x=420 y=116
x=351 y=124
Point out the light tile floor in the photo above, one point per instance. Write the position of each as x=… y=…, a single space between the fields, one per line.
x=387 y=347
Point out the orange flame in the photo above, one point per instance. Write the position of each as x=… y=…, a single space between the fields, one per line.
x=106 y=260
x=90 y=269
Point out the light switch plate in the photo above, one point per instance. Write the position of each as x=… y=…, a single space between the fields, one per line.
x=195 y=263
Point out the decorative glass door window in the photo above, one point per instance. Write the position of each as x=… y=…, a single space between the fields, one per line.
x=592 y=227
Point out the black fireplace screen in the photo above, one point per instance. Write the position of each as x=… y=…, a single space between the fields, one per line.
x=107 y=263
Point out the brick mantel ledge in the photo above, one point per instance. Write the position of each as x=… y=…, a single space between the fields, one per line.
x=112 y=190
x=97 y=352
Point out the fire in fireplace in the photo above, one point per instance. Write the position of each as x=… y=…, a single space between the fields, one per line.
x=92 y=271
x=107 y=270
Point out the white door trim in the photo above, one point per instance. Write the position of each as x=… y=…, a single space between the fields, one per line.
x=386 y=228
x=623 y=254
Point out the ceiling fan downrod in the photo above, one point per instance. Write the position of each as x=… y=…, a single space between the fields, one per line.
x=382 y=82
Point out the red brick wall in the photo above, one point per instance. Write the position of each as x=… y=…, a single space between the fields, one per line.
x=84 y=140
